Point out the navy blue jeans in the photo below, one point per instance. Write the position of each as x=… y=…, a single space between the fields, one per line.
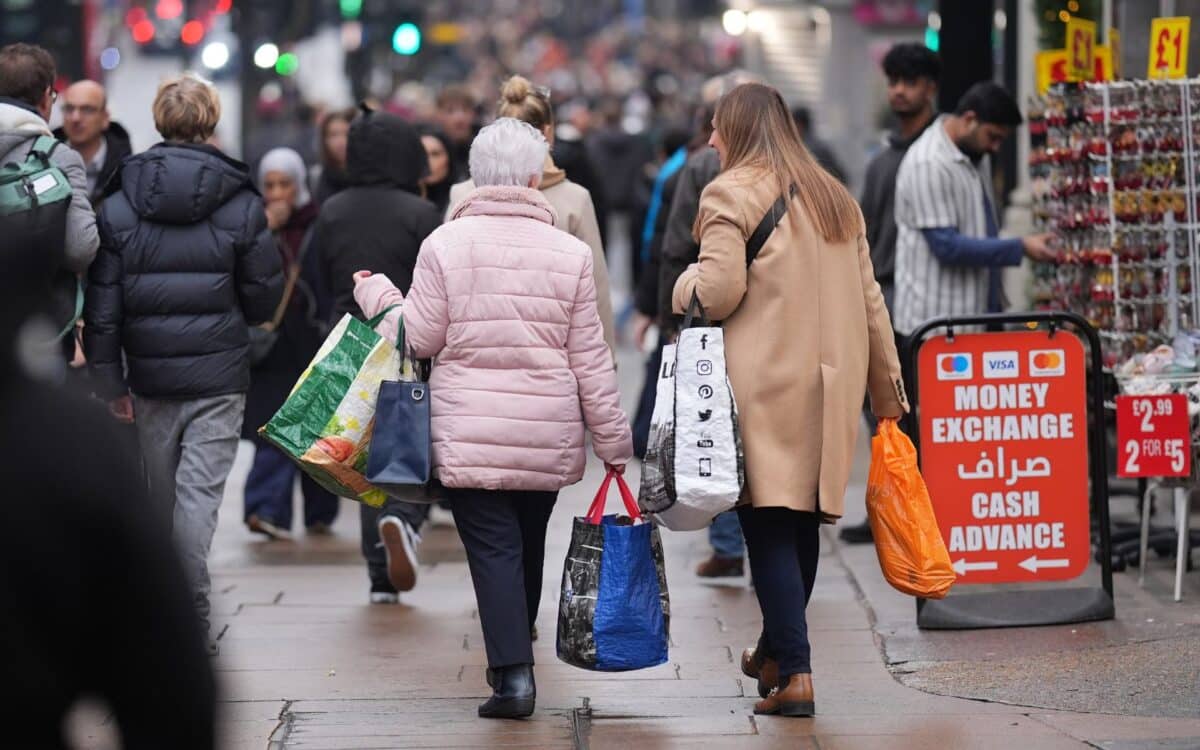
x=269 y=490
x=783 y=546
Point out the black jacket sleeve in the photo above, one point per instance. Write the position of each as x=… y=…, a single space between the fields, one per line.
x=259 y=268
x=679 y=250
x=103 y=315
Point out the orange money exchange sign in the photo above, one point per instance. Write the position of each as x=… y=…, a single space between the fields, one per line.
x=1004 y=452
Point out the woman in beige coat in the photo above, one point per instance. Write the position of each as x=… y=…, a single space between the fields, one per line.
x=806 y=333
x=572 y=203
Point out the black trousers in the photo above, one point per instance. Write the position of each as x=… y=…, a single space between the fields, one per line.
x=783 y=546
x=505 y=536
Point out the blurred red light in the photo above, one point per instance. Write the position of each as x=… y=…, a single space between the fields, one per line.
x=143 y=31
x=192 y=32
x=168 y=9
x=135 y=16
x=223 y=6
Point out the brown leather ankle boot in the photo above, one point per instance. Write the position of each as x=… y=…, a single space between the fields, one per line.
x=762 y=668
x=794 y=699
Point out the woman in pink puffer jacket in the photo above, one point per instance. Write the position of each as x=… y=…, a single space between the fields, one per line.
x=506 y=304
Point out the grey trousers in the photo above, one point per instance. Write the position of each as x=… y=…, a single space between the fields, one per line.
x=189 y=447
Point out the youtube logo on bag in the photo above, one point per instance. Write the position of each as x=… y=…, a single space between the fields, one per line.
x=1047 y=363
x=955 y=367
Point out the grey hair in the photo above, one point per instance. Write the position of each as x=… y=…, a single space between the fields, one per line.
x=508 y=152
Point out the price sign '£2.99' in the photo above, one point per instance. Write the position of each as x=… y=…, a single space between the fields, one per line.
x=1153 y=436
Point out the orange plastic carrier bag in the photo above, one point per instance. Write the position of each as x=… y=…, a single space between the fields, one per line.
x=910 y=547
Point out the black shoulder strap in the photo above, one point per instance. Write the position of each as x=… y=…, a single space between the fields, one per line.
x=759 y=238
x=765 y=227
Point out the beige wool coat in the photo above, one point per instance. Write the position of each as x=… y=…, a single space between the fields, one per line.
x=576 y=215
x=806 y=334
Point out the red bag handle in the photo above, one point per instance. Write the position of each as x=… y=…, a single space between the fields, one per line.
x=595 y=512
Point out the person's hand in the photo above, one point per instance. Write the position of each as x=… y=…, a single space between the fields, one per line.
x=360 y=276
x=122 y=409
x=615 y=468
x=641 y=326
x=1037 y=247
x=278 y=213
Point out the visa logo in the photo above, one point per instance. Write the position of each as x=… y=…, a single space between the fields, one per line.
x=1001 y=365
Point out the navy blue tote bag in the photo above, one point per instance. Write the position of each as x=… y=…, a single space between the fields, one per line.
x=399 y=458
x=614 y=612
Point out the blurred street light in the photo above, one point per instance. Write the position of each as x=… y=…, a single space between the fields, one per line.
x=266 y=56
x=735 y=22
x=192 y=33
x=287 y=64
x=407 y=39
x=110 y=58
x=758 y=21
x=215 y=55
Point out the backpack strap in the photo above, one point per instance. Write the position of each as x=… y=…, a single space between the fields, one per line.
x=765 y=227
x=43 y=147
x=78 y=311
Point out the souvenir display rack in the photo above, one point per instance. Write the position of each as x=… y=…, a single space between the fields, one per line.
x=1113 y=170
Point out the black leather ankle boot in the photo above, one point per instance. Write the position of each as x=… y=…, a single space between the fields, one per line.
x=513 y=693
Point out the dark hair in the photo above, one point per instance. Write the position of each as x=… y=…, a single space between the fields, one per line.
x=675 y=138
x=26 y=71
x=991 y=103
x=910 y=61
x=345 y=115
x=802 y=118
x=456 y=94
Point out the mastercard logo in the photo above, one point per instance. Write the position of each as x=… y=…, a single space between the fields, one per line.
x=1047 y=363
x=955 y=367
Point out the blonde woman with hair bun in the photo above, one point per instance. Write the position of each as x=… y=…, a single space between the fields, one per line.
x=572 y=203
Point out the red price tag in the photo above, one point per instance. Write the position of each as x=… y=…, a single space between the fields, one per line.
x=1154 y=436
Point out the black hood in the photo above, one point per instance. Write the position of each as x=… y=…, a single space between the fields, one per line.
x=385 y=150
x=181 y=183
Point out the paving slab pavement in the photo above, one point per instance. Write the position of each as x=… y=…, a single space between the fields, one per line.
x=306 y=662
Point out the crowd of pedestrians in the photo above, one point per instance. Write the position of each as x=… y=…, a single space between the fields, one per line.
x=203 y=287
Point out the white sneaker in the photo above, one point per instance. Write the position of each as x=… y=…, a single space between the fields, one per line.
x=400 y=542
x=385 y=597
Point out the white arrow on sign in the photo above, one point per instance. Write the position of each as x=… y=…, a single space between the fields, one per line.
x=962 y=566
x=1033 y=564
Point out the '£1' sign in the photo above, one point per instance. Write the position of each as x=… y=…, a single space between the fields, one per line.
x=1168 y=47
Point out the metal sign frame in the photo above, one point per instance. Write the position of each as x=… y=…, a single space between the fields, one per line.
x=1026 y=607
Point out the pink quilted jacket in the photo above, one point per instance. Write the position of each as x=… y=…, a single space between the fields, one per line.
x=507 y=304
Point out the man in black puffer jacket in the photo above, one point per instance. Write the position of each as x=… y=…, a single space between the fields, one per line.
x=186 y=263
x=378 y=224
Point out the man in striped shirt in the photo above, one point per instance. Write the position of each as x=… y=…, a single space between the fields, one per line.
x=948 y=255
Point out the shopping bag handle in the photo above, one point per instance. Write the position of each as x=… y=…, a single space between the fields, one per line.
x=595 y=513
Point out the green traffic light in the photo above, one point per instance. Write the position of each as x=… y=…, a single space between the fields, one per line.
x=407 y=39
x=287 y=64
x=351 y=9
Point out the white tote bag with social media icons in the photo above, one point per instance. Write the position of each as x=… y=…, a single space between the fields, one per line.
x=708 y=462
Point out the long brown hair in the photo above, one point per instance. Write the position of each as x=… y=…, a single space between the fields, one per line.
x=758 y=130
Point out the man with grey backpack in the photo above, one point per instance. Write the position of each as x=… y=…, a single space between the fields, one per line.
x=43 y=184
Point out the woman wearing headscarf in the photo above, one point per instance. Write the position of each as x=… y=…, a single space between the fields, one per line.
x=507 y=305
x=574 y=211
x=280 y=355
